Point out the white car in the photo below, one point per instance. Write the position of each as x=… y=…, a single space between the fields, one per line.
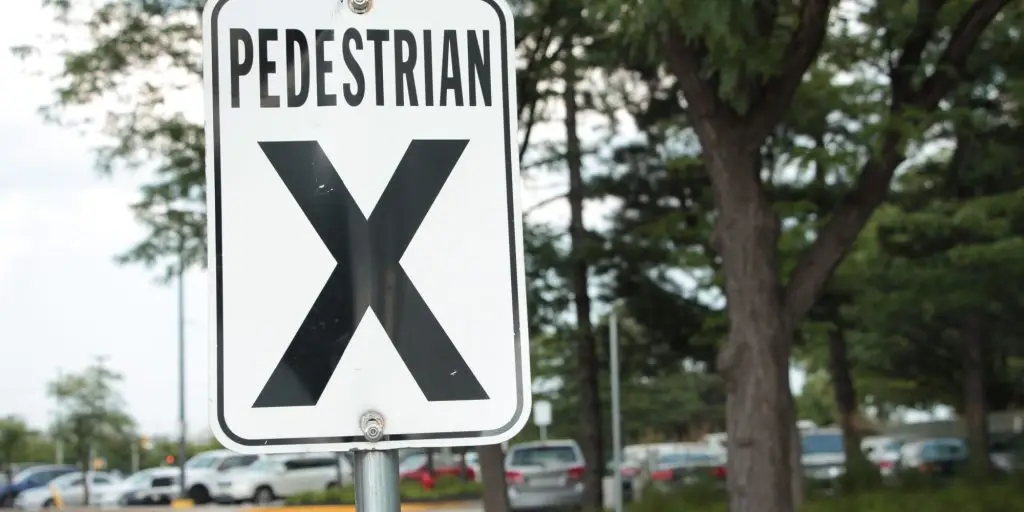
x=883 y=452
x=204 y=470
x=276 y=477
x=71 y=490
x=147 y=487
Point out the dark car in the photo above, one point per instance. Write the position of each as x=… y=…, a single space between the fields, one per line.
x=674 y=469
x=31 y=478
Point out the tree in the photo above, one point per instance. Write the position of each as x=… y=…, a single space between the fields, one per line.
x=739 y=67
x=92 y=413
x=14 y=438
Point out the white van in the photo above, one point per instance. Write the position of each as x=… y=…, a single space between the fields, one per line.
x=279 y=476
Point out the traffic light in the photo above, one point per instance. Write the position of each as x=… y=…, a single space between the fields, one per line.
x=169 y=459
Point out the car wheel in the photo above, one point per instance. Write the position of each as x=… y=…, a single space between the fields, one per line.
x=263 y=496
x=199 y=495
x=6 y=501
x=47 y=503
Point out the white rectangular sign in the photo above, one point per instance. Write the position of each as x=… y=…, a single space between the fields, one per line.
x=365 y=245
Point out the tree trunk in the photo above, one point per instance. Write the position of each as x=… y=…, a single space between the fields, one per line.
x=974 y=345
x=86 y=469
x=796 y=465
x=586 y=357
x=492 y=475
x=430 y=461
x=755 y=358
x=463 y=468
x=861 y=471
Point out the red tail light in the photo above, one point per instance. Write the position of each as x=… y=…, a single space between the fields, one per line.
x=886 y=464
x=576 y=473
x=662 y=475
x=513 y=477
x=718 y=472
x=627 y=472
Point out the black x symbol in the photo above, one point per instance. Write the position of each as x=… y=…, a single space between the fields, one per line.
x=367 y=274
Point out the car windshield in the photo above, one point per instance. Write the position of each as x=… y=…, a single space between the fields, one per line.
x=142 y=477
x=822 y=443
x=413 y=462
x=685 y=459
x=894 y=446
x=67 y=480
x=265 y=465
x=237 y=461
x=202 y=461
x=544 y=456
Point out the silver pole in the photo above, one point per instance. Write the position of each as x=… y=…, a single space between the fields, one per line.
x=613 y=351
x=135 y=457
x=543 y=433
x=182 y=441
x=376 y=475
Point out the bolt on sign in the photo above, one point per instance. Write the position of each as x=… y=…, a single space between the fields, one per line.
x=366 y=251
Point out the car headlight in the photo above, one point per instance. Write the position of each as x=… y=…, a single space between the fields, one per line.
x=834 y=471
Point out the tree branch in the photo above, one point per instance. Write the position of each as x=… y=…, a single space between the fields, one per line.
x=835 y=239
x=704 y=108
x=902 y=74
x=802 y=50
x=952 y=63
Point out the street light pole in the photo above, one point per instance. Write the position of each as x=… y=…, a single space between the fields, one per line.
x=182 y=446
x=613 y=351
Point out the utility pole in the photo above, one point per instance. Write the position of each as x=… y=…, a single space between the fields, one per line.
x=613 y=350
x=183 y=430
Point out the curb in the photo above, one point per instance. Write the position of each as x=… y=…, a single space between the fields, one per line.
x=406 y=507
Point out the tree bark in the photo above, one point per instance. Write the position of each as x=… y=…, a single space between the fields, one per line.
x=845 y=393
x=974 y=347
x=755 y=359
x=861 y=472
x=492 y=475
x=430 y=461
x=796 y=464
x=591 y=439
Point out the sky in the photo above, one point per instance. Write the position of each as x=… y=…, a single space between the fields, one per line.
x=63 y=299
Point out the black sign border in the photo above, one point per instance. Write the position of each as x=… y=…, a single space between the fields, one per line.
x=513 y=260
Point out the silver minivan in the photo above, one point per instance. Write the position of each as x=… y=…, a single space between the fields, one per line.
x=544 y=474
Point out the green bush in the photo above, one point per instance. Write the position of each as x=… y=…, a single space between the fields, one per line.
x=921 y=494
x=446 y=489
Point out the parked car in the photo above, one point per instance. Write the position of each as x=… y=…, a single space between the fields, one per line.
x=31 y=478
x=276 y=477
x=630 y=470
x=688 y=468
x=1006 y=452
x=414 y=467
x=204 y=470
x=822 y=453
x=70 y=487
x=544 y=474
x=940 y=456
x=883 y=452
x=154 y=486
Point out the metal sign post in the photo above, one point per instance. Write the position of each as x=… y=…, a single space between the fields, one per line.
x=376 y=471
